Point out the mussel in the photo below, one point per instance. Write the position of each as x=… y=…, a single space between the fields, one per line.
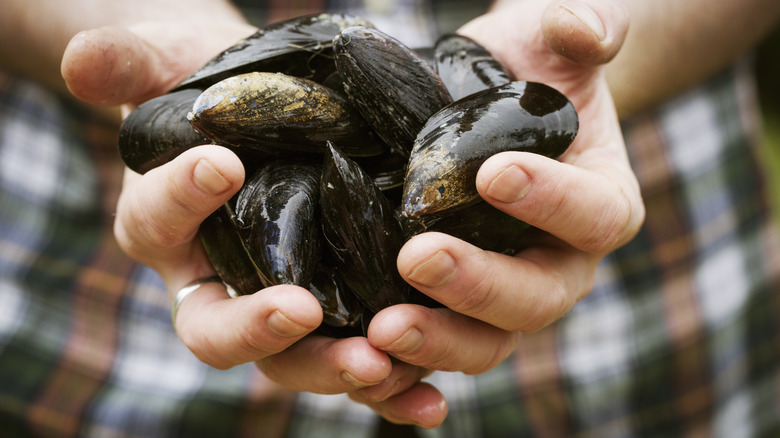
x=227 y=253
x=394 y=88
x=387 y=170
x=158 y=130
x=353 y=144
x=481 y=225
x=281 y=115
x=363 y=235
x=465 y=66
x=300 y=46
x=519 y=116
x=342 y=312
x=276 y=215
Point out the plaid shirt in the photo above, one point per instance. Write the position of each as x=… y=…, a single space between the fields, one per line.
x=680 y=336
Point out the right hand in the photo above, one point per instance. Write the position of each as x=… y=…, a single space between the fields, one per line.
x=158 y=216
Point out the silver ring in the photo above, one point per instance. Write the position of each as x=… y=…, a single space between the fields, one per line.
x=187 y=290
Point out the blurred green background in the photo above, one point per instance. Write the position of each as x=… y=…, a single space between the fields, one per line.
x=768 y=74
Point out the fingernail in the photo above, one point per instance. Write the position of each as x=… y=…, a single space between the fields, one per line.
x=436 y=271
x=409 y=342
x=511 y=185
x=585 y=14
x=280 y=325
x=208 y=179
x=381 y=392
x=350 y=379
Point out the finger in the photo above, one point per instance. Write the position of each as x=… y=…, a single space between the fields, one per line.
x=326 y=365
x=422 y=405
x=402 y=377
x=587 y=32
x=224 y=332
x=115 y=65
x=160 y=212
x=115 y=56
x=440 y=339
x=592 y=210
x=521 y=293
x=555 y=42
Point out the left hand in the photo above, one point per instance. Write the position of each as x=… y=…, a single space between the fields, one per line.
x=583 y=205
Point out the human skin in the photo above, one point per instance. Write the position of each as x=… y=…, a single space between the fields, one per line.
x=35 y=34
x=484 y=319
x=673 y=45
x=158 y=226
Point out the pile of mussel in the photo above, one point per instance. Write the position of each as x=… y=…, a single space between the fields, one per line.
x=352 y=143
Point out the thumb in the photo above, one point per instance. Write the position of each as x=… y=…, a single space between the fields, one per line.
x=588 y=32
x=116 y=65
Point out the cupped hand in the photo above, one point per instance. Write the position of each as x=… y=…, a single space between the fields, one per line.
x=159 y=213
x=582 y=206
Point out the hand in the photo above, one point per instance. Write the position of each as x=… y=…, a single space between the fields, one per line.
x=584 y=206
x=159 y=213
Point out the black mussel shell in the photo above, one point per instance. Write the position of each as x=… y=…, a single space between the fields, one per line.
x=227 y=253
x=465 y=66
x=334 y=82
x=388 y=170
x=519 y=116
x=300 y=46
x=391 y=86
x=280 y=115
x=363 y=235
x=342 y=312
x=277 y=218
x=483 y=226
x=426 y=53
x=157 y=131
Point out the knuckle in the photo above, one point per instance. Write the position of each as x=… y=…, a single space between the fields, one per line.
x=545 y=310
x=269 y=368
x=153 y=225
x=478 y=299
x=506 y=347
x=614 y=226
x=216 y=363
x=606 y=230
x=444 y=357
x=149 y=232
x=550 y=203
x=251 y=342
x=125 y=241
x=204 y=349
x=221 y=350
